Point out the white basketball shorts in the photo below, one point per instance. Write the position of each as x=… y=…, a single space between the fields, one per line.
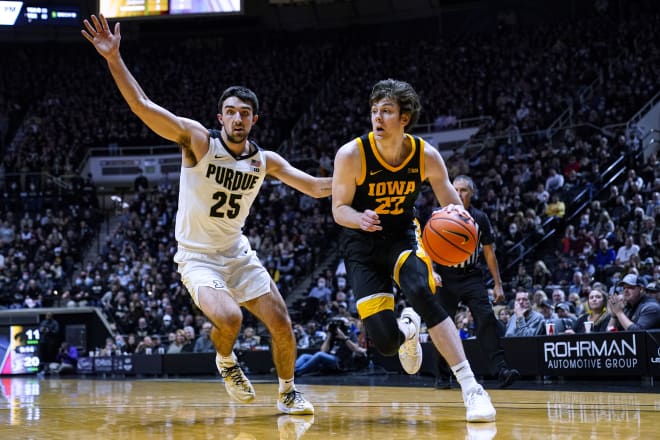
x=237 y=271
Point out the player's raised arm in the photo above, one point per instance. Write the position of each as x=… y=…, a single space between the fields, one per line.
x=281 y=169
x=186 y=132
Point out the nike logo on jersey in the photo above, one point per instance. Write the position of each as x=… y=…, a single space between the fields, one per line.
x=373 y=173
x=221 y=157
x=458 y=234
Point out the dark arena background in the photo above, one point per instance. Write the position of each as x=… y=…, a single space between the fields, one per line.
x=551 y=107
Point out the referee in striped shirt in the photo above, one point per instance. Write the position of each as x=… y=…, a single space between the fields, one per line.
x=464 y=282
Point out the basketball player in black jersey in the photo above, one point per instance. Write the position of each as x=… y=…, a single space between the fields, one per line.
x=464 y=283
x=376 y=182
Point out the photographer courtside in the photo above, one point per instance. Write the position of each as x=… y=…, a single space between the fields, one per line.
x=339 y=352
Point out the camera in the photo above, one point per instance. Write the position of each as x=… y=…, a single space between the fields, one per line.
x=337 y=323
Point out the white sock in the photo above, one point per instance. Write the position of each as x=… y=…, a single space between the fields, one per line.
x=464 y=375
x=286 y=385
x=227 y=361
x=406 y=327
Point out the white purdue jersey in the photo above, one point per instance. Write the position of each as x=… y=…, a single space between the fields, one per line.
x=215 y=197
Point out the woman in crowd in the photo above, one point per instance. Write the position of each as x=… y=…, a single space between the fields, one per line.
x=502 y=313
x=541 y=275
x=179 y=342
x=597 y=314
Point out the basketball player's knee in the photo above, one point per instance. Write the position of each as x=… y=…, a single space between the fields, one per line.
x=417 y=290
x=384 y=333
x=426 y=304
x=433 y=314
x=387 y=345
x=420 y=296
x=280 y=325
x=232 y=319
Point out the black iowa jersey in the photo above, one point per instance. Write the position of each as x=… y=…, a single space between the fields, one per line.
x=389 y=191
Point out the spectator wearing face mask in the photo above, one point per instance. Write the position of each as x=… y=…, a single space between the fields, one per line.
x=167 y=325
x=321 y=291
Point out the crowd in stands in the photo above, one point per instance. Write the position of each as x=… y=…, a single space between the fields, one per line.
x=43 y=238
x=521 y=79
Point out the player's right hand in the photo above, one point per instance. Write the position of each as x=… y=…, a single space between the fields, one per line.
x=369 y=221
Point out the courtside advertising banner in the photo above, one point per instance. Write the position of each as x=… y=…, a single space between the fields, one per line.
x=653 y=350
x=618 y=353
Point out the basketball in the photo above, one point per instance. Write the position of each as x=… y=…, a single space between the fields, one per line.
x=449 y=237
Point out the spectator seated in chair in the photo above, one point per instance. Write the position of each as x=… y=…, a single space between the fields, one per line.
x=66 y=360
x=248 y=340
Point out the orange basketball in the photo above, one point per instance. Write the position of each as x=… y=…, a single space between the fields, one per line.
x=449 y=237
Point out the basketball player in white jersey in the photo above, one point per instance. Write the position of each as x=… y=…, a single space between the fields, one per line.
x=222 y=172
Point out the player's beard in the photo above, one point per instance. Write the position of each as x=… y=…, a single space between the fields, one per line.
x=235 y=139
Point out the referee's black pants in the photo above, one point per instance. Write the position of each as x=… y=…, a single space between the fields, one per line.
x=468 y=287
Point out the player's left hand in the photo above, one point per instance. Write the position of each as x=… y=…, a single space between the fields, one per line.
x=458 y=208
x=437 y=279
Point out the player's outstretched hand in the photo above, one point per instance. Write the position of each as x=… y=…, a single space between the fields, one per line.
x=98 y=33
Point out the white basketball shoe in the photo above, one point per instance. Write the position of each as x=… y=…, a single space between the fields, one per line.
x=410 y=352
x=478 y=404
x=238 y=386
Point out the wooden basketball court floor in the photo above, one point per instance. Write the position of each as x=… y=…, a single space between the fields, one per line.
x=152 y=408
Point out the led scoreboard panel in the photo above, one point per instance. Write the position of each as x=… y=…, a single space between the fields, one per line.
x=133 y=8
x=148 y=8
x=35 y=12
x=17 y=13
x=19 y=349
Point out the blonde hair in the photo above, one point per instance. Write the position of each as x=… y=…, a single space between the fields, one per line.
x=603 y=311
x=498 y=309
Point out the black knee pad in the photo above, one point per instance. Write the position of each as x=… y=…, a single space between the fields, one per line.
x=428 y=307
x=384 y=333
